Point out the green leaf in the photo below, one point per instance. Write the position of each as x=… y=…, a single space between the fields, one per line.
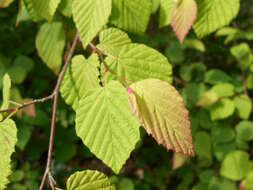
x=223 y=90
x=17 y=74
x=214 y=14
x=155 y=5
x=6 y=91
x=5 y=3
x=183 y=15
x=202 y=145
x=106 y=125
x=245 y=130
x=41 y=9
x=8 y=139
x=90 y=17
x=89 y=180
x=243 y=106
x=24 y=62
x=249 y=181
x=215 y=76
x=66 y=7
x=81 y=76
x=222 y=134
x=112 y=40
x=222 y=109
x=207 y=99
x=242 y=53
x=132 y=16
x=50 y=43
x=137 y=62
x=236 y=165
x=161 y=110
x=250 y=81
x=165 y=12
x=195 y=44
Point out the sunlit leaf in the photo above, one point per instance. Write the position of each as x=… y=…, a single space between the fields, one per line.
x=112 y=40
x=106 y=125
x=89 y=180
x=50 y=43
x=214 y=14
x=90 y=17
x=132 y=16
x=165 y=12
x=6 y=91
x=41 y=9
x=136 y=62
x=8 y=139
x=161 y=110
x=5 y=3
x=81 y=76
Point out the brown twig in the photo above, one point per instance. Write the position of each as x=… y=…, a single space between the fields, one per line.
x=244 y=82
x=24 y=105
x=55 y=96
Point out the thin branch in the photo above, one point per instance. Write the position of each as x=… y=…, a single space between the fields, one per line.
x=55 y=96
x=24 y=105
x=244 y=82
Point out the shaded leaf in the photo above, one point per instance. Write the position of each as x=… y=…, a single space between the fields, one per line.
x=161 y=110
x=5 y=3
x=50 y=43
x=90 y=17
x=106 y=125
x=89 y=180
x=244 y=130
x=183 y=15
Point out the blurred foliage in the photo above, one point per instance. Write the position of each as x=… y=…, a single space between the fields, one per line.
x=215 y=77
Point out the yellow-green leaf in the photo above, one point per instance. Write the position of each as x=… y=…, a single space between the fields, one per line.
x=137 y=62
x=50 y=43
x=165 y=12
x=6 y=91
x=183 y=15
x=81 y=76
x=41 y=9
x=112 y=40
x=90 y=17
x=8 y=139
x=106 y=125
x=161 y=110
x=132 y=15
x=89 y=180
x=214 y=14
